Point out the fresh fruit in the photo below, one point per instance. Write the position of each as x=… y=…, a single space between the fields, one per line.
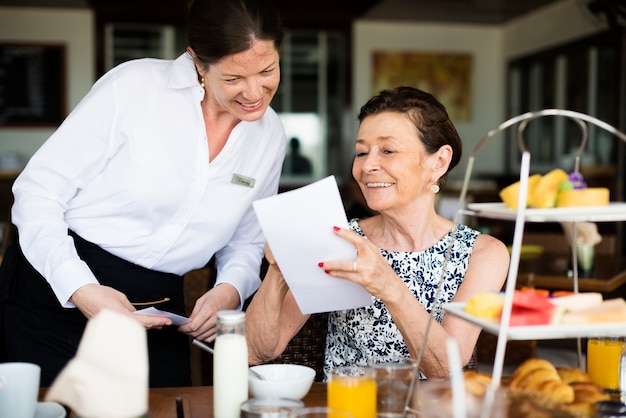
x=524 y=317
x=565 y=185
x=577 y=180
x=485 y=305
x=540 y=292
x=533 y=307
x=556 y=189
x=530 y=307
x=559 y=293
x=531 y=299
x=544 y=194
x=592 y=196
x=509 y=194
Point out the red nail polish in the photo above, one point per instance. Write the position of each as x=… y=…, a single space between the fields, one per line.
x=336 y=228
x=321 y=264
x=327 y=271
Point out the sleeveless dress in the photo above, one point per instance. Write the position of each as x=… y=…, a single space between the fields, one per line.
x=354 y=335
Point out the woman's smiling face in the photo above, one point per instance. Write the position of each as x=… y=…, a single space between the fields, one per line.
x=390 y=161
x=244 y=84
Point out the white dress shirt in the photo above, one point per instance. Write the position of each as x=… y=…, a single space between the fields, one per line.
x=129 y=171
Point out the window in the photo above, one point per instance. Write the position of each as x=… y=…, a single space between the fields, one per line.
x=582 y=77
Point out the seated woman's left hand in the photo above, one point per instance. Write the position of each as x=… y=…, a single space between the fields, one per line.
x=369 y=269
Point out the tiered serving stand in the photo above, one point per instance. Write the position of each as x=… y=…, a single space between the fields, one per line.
x=615 y=211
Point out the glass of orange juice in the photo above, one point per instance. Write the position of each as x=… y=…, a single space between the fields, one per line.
x=603 y=361
x=353 y=389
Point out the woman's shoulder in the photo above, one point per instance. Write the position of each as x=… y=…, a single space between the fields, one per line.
x=141 y=64
x=266 y=132
x=490 y=246
x=139 y=72
x=460 y=236
x=271 y=118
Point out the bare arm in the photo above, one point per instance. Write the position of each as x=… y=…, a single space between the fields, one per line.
x=272 y=318
x=486 y=271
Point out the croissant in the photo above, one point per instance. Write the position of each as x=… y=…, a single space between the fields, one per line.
x=557 y=390
x=567 y=386
x=540 y=376
x=476 y=383
x=589 y=392
x=532 y=372
x=572 y=374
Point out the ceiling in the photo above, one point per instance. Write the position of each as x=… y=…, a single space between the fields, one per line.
x=472 y=11
x=323 y=14
x=465 y=11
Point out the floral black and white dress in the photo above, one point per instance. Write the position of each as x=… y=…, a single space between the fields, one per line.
x=354 y=335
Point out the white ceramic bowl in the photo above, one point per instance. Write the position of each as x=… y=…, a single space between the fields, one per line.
x=290 y=381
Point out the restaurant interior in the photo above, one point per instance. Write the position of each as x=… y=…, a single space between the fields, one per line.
x=523 y=55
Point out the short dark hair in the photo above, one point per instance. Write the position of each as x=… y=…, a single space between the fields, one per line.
x=427 y=114
x=217 y=28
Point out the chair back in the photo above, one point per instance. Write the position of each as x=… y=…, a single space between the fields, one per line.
x=308 y=346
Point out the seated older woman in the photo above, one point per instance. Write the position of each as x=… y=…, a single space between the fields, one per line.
x=405 y=147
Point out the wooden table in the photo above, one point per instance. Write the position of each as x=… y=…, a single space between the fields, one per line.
x=551 y=272
x=198 y=400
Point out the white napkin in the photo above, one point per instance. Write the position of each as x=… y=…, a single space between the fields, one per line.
x=108 y=377
x=586 y=233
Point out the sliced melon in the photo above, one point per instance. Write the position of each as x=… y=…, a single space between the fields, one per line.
x=544 y=194
x=510 y=193
x=485 y=305
x=591 y=196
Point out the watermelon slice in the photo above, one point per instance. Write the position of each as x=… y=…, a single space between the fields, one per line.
x=529 y=299
x=531 y=308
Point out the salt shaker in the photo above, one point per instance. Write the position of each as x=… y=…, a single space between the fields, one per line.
x=230 y=365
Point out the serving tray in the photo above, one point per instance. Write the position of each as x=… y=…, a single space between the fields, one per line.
x=540 y=332
x=613 y=212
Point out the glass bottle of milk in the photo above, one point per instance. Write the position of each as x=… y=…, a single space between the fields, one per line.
x=230 y=365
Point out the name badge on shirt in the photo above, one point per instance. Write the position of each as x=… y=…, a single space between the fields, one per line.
x=242 y=180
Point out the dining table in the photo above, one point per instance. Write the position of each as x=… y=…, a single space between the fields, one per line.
x=197 y=401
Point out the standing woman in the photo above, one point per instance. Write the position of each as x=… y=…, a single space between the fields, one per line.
x=150 y=176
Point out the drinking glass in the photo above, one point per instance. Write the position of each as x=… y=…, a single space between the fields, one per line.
x=320 y=412
x=353 y=389
x=269 y=407
x=603 y=361
x=436 y=399
x=622 y=375
x=394 y=376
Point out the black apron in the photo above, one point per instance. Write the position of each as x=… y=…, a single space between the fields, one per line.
x=38 y=330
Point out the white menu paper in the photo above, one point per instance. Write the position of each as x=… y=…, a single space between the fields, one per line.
x=298 y=225
x=152 y=311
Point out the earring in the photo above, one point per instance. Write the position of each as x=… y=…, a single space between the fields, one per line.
x=202 y=83
x=434 y=188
